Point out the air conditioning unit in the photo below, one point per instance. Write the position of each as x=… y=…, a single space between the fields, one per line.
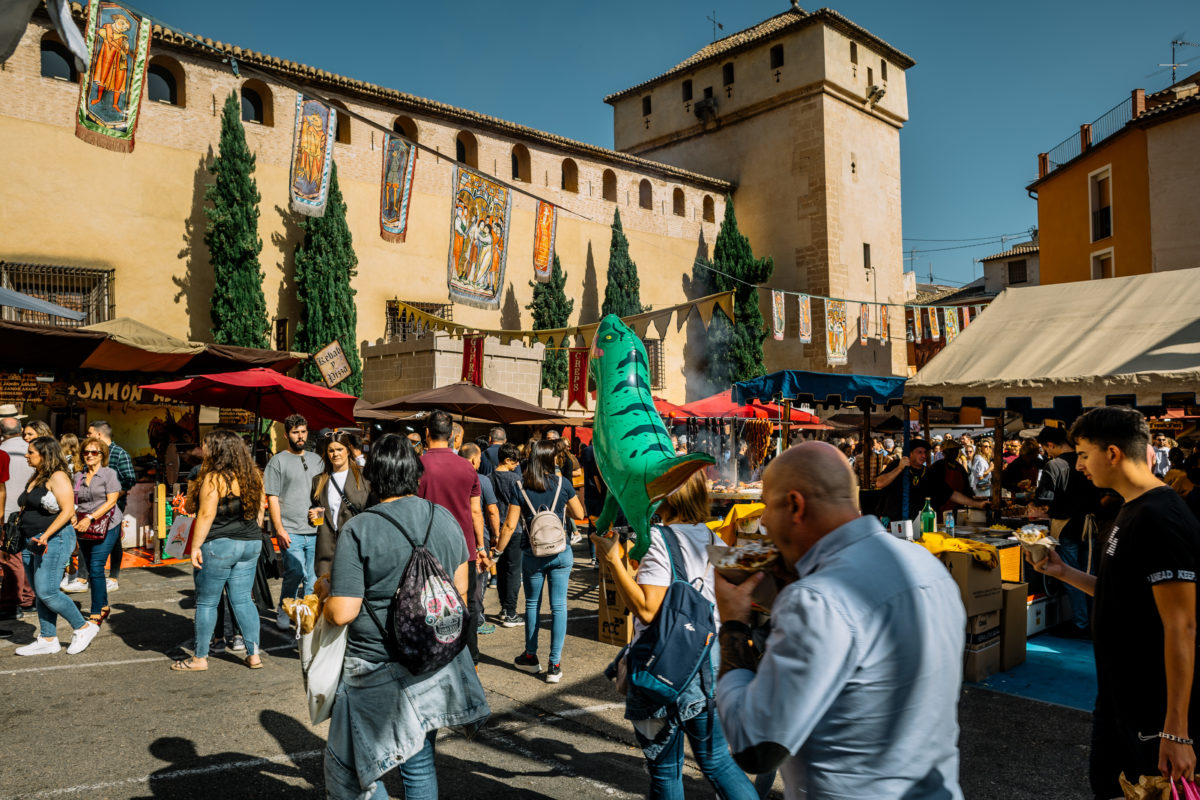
x=706 y=109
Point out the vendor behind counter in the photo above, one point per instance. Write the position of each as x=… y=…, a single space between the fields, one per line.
x=939 y=483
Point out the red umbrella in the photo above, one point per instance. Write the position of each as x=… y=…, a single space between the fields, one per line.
x=267 y=393
x=722 y=405
x=667 y=409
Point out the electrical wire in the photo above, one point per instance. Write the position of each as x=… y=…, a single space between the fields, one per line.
x=969 y=239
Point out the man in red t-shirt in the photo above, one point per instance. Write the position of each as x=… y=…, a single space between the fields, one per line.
x=450 y=481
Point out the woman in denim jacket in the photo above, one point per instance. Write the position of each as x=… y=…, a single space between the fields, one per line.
x=383 y=715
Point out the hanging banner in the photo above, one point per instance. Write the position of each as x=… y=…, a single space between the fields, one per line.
x=577 y=376
x=837 y=337
x=883 y=324
x=805 y=319
x=918 y=319
x=543 y=241
x=312 y=156
x=966 y=320
x=478 y=240
x=864 y=323
x=472 y=366
x=778 y=320
x=110 y=92
x=951 y=324
x=399 y=166
x=935 y=330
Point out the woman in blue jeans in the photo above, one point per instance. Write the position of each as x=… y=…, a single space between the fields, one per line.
x=226 y=543
x=47 y=508
x=97 y=489
x=542 y=490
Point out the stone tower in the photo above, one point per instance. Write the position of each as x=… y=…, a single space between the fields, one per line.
x=802 y=112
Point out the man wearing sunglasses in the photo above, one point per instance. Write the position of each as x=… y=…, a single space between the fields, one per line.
x=287 y=483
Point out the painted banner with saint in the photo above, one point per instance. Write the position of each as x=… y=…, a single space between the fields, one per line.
x=864 y=323
x=805 y=319
x=399 y=166
x=951 y=324
x=935 y=331
x=837 y=335
x=918 y=318
x=966 y=320
x=883 y=324
x=478 y=239
x=312 y=156
x=110 y=90
x=778 y=318
x=543 y=241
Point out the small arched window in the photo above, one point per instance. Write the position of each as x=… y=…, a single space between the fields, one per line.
x=165 y=82
x=520 y=163
x=341 y=130
x=608 y=188
x=256 y=103
x=710 y=214
x=406 y=127
x=57 y=61
x=645 y=194
x=570 y=176
x=466 y=149
x=677 y=202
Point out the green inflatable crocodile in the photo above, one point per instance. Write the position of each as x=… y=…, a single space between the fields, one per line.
x=632 y=447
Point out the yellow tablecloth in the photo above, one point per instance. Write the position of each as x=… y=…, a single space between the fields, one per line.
x=982 y=552
x=727 y=528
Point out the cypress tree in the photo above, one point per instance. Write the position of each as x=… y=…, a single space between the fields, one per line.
x=325 y=265
x=622 y=294
x=239 y=309
x=735 y=351
x=552 y=309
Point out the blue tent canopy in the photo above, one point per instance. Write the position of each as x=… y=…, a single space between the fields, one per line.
x=820 y=388
x=15 y=299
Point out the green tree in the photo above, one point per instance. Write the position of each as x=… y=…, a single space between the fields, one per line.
x=238 y=308
x=622 y=294
x=325 y=266
x=735 y=350
x=552 y=309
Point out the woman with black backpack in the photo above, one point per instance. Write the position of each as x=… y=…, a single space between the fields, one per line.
x=541 y=500
x=658 y=728
x=399 y=576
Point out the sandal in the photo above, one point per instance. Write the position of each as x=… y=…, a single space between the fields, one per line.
x=187 y=665
x=259 y=665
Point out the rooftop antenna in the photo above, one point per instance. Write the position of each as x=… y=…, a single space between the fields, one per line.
x=1176 y=43
x=719 y=27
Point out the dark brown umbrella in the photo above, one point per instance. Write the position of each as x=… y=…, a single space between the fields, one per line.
x=467 y=399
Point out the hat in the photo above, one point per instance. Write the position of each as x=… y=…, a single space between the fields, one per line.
x=10 y=410
x=914 y=444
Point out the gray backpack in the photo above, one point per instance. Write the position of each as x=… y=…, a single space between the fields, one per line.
x=547 y=531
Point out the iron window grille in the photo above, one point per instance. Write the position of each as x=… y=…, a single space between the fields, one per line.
x=401 y=326
x=76 y=288
x=657 y=359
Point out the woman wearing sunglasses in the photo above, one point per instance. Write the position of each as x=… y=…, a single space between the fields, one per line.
x=97 y=519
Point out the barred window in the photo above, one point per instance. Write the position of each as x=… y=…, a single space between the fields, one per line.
x=76 y=288
x=654 y=354
x=402 y=327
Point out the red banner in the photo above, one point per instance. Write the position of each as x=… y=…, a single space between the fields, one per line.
x=472 y=369
x=577 y=376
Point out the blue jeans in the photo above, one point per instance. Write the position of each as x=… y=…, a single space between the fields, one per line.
x=95 y=554
x=535 y=572
x=45 y=573
x=299 y=564
x=418 y=775
x=712 y=756
x=1074 y=553
x=232 y=562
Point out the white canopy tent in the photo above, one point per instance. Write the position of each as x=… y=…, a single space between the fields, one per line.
x=1056 y=350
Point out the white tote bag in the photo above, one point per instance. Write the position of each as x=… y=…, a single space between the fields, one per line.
x=321 y=655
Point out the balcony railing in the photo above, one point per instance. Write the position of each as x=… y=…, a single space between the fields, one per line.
x=1104 y=126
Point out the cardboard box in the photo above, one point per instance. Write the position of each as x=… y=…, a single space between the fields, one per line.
x=615 y=625
x=1014 y=619
x=981 y=662
x=978 y=585
x=982 y=623
x=1035 y=616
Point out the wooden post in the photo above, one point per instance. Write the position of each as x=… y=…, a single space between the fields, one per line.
x=867 y=454
x=785 y=431
x=997 y=462
x=925 y=423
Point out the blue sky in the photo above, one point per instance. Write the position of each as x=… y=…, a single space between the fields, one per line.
x=994 y=84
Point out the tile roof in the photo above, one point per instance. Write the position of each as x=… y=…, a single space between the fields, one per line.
x=937 y=294
x=1022 y=249
x=1182 y=106
x=403 y=101
x=794 y=17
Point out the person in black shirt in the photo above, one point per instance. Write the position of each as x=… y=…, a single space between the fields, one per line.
x=1144 y=621
x=924 y=484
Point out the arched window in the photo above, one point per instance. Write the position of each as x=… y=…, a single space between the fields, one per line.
x=466 y=149
x=710 y=214
x=520 y=163
x=406 y=127
x=645 y=194
x=165 y=82
x=341 y=128
x=57 y=61
x=677 y=202
x=256 y=103
x=570 y=176
x=609 y=186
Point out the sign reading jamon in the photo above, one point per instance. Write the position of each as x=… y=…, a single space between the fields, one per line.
x=332 y=363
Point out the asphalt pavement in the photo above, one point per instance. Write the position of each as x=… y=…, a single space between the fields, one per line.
x=115 y=722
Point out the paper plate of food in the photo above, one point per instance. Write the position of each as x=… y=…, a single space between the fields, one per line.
x=1037 y=541
x=736 y=564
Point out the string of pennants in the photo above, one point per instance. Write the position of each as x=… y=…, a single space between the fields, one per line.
x=871 y=320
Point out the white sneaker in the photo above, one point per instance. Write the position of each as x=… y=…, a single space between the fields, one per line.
x=82 y=638
x=111 y=584
x=282 y=620
x=75 y=586
x=38 y=647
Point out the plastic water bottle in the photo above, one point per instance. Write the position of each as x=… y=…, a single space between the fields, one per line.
x=949 y=523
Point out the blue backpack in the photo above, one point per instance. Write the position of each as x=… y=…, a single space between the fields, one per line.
x=669 y=653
